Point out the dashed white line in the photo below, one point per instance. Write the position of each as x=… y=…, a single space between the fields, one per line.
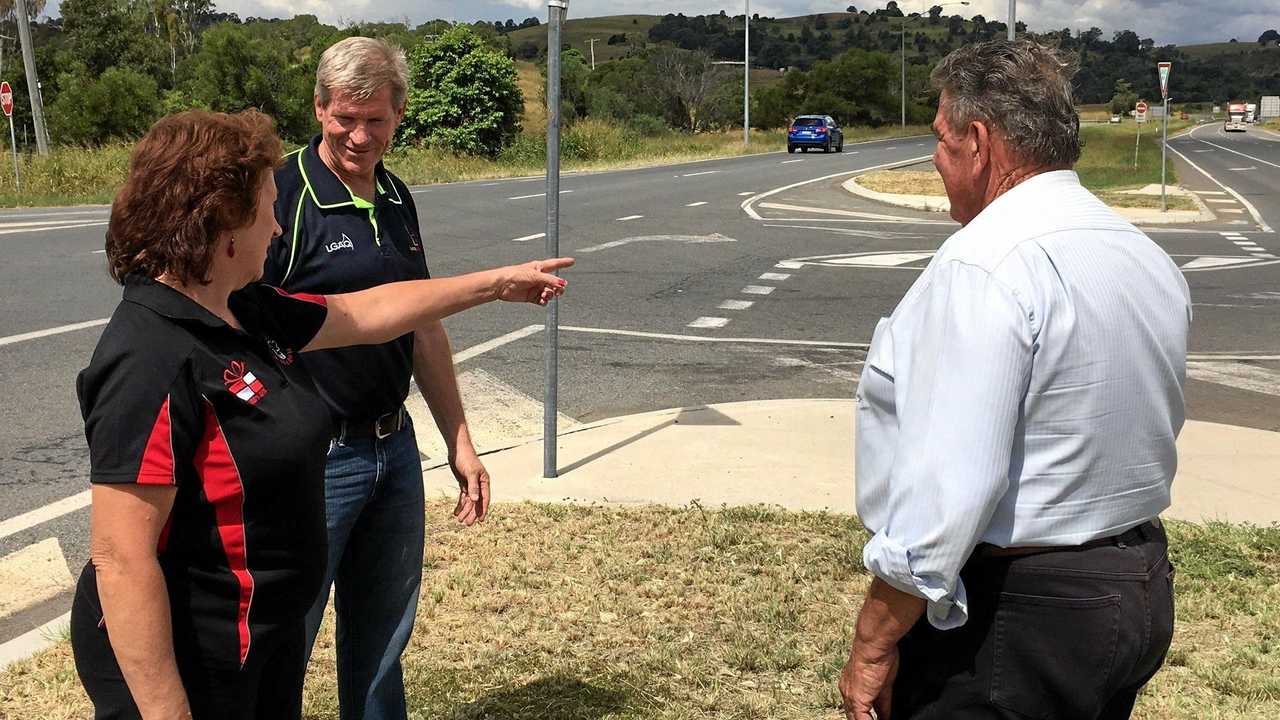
x=774 y=276
x=1220 y=201
x=787 y=162
x=541 y=194
x=696 y=204
x=1233 y=211
x=735 y=304
x=757 y=290
x=98 y=252
x=1210 y=192
x=629 y=217
x=789 y=265
x=747 y=193
x=709 y=322
x=527 y=238
x=705 y=172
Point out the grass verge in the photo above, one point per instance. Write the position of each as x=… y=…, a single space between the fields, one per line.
x=577 y=613
x=77 y=176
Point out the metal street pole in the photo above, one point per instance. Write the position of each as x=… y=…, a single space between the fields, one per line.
x=13 y=140
x=550 y=404
x=593 y=42
x=1013 y=20
x=33 y=82
x=902 y=36
x=746 y=78
x=1164 y=153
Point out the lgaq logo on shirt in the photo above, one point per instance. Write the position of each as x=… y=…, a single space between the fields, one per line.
x=243 y=383
x=343 y=244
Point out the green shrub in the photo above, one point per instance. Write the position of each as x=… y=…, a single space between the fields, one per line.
x=120 y=104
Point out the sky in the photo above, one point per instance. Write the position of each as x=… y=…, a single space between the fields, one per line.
x=1183 y=22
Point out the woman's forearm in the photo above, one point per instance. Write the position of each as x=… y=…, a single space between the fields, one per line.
x=386 y=312
x=135 y=607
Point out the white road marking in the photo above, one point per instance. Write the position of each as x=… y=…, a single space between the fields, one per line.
x=629 y=217
x=1236 y=375
x=1206 y=263
x=1233 y=211
x=833 y=211
x=527 y=238
x=750 y=211
x=788 y=162
x=1220 y=201
x=98 y=252
x=839 y=373
x=1209 y=192
x=774 y=276
x=41 y=224
x=704 y=338
x=1245 y=243
x=484 y=347
x=706 y=172
x=34 y=641
x=757 y=290
x=1252 y=210
x=54 y=510
x=687 y=239
x=1243 y=169
x=37 y=334
x=1237 y=152
x=895 y=147
x=735 y=304
x=32 y=575
x=709 y=322
x=789 y=265
x=1268 y=256
x=50 y=229
x=541 y=194
x=747 y=193
x=696 y=204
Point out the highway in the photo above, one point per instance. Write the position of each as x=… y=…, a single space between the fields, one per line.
x=748 y=278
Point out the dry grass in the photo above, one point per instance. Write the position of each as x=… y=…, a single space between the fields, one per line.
x=1151 y=202
x=578 y=613
x=905 y=182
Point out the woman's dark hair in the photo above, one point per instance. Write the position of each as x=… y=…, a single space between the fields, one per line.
x=192 y=176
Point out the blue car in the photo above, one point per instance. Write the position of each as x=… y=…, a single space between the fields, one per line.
x=814 y=131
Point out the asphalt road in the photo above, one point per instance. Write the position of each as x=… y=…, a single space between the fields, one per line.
x=748 y=278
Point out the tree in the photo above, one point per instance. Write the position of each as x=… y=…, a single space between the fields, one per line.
x=851 y=9
x=120 y=104
x=1270 y=37
x=1124 y=98
x=935 y=14
x=463 y=95
x=820 y=23
x=687 y=80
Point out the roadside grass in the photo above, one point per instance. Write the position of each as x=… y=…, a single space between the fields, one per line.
x=588 y=612
x=77 y=176
x=1105 y=167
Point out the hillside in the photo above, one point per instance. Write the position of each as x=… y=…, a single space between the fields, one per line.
x=577 y=31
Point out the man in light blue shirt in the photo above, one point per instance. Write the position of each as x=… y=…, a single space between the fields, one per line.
x=1017 y=419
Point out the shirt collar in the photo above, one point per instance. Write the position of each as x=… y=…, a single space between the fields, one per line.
x=1044 y=183
x=164 y=300
x=327 y=189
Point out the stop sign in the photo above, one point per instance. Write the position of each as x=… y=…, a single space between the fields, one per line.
x=1141 y=107
x=6 y=99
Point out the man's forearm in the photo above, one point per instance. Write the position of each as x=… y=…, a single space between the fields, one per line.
x=438 y=382
x=887 y=614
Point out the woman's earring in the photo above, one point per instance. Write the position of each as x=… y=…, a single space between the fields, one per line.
x=231 y=249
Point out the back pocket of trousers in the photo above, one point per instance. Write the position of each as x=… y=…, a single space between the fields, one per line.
x=1053 y=655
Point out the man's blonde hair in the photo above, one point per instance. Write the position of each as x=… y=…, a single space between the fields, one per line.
x=360 y=67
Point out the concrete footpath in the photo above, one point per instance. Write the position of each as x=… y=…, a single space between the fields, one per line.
x=799 y=454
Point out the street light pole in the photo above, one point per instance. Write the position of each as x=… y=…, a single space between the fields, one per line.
x=550 y=405
x=1013 y=20
x=746 y=77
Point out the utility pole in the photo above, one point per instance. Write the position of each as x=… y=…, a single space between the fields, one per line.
x=746 y=76
x=550 y=404
x=1013 y=20
x=902 y=36
x=33 y=82
x=593 y=42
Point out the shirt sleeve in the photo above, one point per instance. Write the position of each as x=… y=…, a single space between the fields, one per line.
x=141 y=429
x=290 y=320
x=959 y=404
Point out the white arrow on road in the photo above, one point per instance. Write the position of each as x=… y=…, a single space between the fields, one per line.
x=687 y=239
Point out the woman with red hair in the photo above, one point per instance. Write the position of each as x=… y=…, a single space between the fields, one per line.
x=207 y=443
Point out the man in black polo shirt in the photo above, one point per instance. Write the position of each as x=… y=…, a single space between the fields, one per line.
x=349 y=224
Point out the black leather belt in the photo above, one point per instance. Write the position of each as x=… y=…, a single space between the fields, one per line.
x=1132 y=536
x=379 y=428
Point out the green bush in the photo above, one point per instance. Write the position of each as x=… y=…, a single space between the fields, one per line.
x=119 y=104
x=648 y=125
x=463 y=96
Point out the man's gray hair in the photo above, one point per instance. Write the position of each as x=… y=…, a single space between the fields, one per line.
x=360 y=67
x=1022 y=89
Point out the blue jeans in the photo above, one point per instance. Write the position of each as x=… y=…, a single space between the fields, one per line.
x=375 y=507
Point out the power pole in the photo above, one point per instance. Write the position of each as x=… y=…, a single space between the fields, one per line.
x=1013 y=20
x=593 y=42
x=557 y=9
x=33 y=82
x=746 y=78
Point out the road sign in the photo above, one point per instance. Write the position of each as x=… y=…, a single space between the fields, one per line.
x=1142 y=106
x=1165 y=68
x=6 y=99
x=6 y=104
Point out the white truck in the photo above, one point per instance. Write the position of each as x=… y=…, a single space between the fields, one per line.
x=1251 y=113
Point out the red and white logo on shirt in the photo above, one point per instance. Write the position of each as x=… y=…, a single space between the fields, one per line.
x=243 y=383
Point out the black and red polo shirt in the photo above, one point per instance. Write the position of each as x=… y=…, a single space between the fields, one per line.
x=175 y=396
x=337 y=242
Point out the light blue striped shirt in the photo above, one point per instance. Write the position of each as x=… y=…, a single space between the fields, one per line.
x=1027 y=390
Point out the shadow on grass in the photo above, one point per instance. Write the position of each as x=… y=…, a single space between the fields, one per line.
x=559 y=696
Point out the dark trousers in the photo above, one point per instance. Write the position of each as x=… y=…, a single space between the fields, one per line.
x=1062 y=635
x=268 y=687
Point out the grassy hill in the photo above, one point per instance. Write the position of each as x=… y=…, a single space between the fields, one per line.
x=577 y=31
x=1212 y=50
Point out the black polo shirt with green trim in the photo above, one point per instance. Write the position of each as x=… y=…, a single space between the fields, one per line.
x=336 y=242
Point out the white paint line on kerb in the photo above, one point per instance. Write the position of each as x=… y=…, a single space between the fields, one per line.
x=30 y=643
x=37 y=334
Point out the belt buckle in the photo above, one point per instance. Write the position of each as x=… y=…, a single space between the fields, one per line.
x=392 y=423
